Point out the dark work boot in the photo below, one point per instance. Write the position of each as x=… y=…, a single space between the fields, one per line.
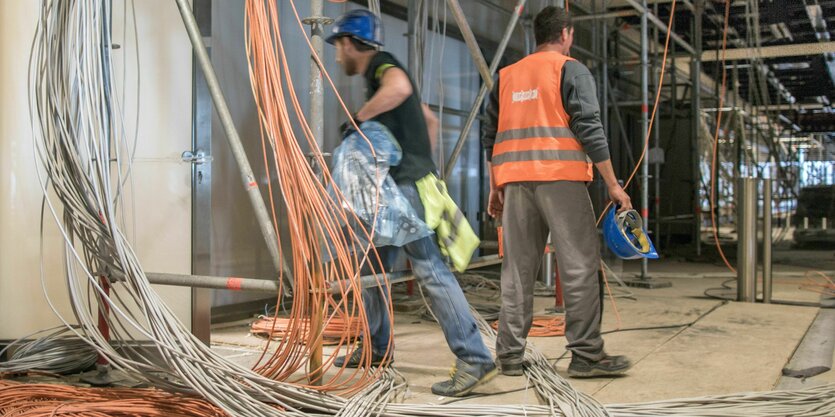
x=355 y=358
x=464 y=378
x=513 y=369
x=581 y=367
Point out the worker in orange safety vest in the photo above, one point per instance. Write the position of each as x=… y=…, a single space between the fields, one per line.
x=542 y=137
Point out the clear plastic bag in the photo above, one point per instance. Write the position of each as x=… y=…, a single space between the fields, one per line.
x=362 y=177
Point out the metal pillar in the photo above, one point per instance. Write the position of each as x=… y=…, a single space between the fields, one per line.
x=248 y=178
x=485 y=87
x=644 y=125
x=747 y=239
x=201 y=185
x=696 y=100
x=767 y=200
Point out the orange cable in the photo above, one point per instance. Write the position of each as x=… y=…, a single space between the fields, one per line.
x=654 y=107
x=313 y=216
x=646 y=142
x=543 y=326
x=47 y=400
x=611 y=296
x=712 y=197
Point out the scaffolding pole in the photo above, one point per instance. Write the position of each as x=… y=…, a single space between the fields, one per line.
x=696 y=103
x=656 y=68
x=647 y=16
x=317 y=108
x=644 y=280
x=644 y=125
x=472 y=44
x=485 y=88
x=247 y=176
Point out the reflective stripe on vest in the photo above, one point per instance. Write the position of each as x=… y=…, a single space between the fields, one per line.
x=534 y=141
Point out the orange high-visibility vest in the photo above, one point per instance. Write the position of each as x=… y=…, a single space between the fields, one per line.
x=533 y=140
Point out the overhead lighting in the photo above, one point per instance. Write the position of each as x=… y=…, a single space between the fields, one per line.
x=815 y=14
x=780 y=31
x=794 y=139
x=783 y=66
x=785 y=30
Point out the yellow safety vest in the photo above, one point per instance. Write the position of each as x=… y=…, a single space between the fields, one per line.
x=456 y=238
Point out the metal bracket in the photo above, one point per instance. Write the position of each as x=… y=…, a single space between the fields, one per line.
x=197 y=158
x=320 y=20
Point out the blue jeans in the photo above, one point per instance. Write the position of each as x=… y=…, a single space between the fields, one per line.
x=445 y=296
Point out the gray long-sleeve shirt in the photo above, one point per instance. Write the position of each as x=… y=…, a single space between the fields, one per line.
x=579 y=97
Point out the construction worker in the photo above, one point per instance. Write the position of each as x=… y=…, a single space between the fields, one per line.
x=393 y=100
x=542 y=137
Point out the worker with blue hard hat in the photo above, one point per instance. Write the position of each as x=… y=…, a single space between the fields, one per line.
x=393 y=100
x=359 y=24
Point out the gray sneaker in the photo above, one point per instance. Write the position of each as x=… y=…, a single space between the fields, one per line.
x=608 y=366
x=464 y=378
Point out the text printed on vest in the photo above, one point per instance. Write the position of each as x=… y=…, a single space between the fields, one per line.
x=525 y=95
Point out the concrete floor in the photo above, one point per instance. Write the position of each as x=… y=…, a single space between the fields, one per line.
x=730 y=347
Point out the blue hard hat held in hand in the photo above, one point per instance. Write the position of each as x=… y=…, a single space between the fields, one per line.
x=359 y=24
x=626 y=236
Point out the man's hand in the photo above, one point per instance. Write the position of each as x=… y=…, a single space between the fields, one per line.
x=348 y=128
x=495 y=204
x=619 y=197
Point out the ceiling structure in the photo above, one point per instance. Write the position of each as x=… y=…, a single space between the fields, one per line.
x=783 y=51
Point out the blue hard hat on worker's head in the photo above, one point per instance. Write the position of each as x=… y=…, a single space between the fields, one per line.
x=359 y=24
x=626 y=236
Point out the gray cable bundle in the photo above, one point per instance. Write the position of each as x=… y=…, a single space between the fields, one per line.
x=57 y=353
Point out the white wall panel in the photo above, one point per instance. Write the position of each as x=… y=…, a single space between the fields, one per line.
x=162 y=193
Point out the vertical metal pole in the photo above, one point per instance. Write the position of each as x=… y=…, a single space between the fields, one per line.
x=201 y=186
x=317 y=106
x=739 y=137
x=317 y=306
x=411 y=36
x=657 y=137
x=747 y=239
x=485 y=87
x=644 y=125
x=605 y=76
x=696 y=100
x=248 y=178
x=767 y=200
x=547 y=268
x=674 y=122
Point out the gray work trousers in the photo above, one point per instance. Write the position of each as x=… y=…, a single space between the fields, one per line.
x=531 y=210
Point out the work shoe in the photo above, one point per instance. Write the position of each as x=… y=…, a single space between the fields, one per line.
x=513 y=369
x=608 y=366
x=355 y=359
x=464 y=378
